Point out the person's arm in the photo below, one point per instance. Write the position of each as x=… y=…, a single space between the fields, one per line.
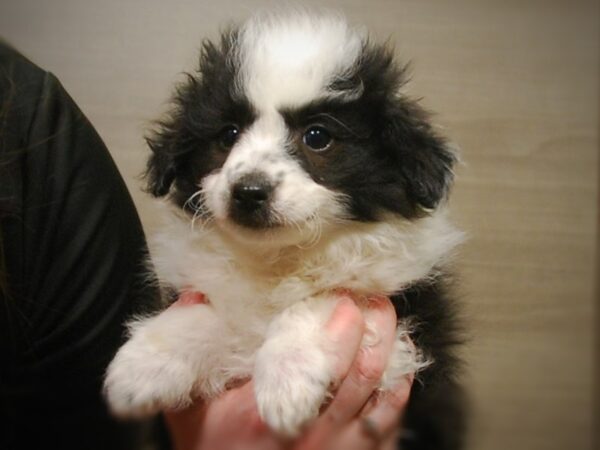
x=74 y=253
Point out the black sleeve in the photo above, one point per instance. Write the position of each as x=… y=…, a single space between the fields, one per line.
x=73 y=254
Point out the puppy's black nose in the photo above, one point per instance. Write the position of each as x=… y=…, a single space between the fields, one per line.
x=251 y=192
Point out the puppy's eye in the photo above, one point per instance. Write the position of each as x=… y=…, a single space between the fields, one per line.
x=317 y=138
x=228 y=136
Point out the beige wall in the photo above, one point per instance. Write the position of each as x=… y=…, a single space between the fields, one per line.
x=515 y=84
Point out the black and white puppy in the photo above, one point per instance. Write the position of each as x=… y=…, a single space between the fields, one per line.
x=298 y=168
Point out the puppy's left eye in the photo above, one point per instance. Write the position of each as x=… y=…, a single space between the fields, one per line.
x=228 y=136
x=317 y=138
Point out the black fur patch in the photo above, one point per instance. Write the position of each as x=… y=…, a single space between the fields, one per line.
x=386 y=155
x=435 y=418
x=185 y=147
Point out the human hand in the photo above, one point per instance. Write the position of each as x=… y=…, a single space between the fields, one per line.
x=354 y=419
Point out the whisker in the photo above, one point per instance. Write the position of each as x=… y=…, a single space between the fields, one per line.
x=196 y=203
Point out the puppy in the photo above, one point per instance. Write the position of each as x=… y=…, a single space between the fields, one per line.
x=296 y=167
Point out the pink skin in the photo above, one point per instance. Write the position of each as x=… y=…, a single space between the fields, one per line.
x=232 y=421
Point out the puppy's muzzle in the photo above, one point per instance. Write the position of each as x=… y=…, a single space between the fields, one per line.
x=251 y=199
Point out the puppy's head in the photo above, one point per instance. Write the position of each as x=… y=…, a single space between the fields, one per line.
x=293 y=124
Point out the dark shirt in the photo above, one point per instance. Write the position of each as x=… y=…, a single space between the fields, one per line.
x=74 y=253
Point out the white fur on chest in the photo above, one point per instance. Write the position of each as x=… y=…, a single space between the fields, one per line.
x=266 y=314
x=249 y=287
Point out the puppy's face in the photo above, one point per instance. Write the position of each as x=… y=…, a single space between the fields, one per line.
x=292 y=125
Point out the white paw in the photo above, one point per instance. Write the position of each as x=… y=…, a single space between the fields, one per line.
x=142 y=380
x=290 y=387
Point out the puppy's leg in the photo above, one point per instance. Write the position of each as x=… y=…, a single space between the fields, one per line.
x=163 y=361
x=293 y=368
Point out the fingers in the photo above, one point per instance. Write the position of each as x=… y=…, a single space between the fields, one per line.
x=344 y=330
x=390 y=406
x=377 y=430
x=369 y=364
x=360 y=369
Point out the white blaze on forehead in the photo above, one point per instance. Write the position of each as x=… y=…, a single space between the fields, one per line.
x=263 y=143
x=289 y=60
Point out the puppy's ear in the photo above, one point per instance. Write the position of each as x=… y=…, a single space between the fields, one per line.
x=197 y=106
x=423 y=158
x=161 y=168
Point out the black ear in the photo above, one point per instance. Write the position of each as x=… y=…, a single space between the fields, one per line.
x=423 y=158
x=197 y=107
x=161 y=168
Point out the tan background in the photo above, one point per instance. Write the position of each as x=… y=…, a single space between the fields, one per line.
x=515 y=84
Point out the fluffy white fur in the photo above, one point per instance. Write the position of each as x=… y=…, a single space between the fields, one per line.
x=272 y=291
x=288 y=60
x=266 y=314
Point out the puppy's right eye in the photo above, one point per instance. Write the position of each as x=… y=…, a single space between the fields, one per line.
x=228 y=136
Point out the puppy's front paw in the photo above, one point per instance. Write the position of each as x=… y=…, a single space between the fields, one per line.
x=290 y=387
x=142 y=380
